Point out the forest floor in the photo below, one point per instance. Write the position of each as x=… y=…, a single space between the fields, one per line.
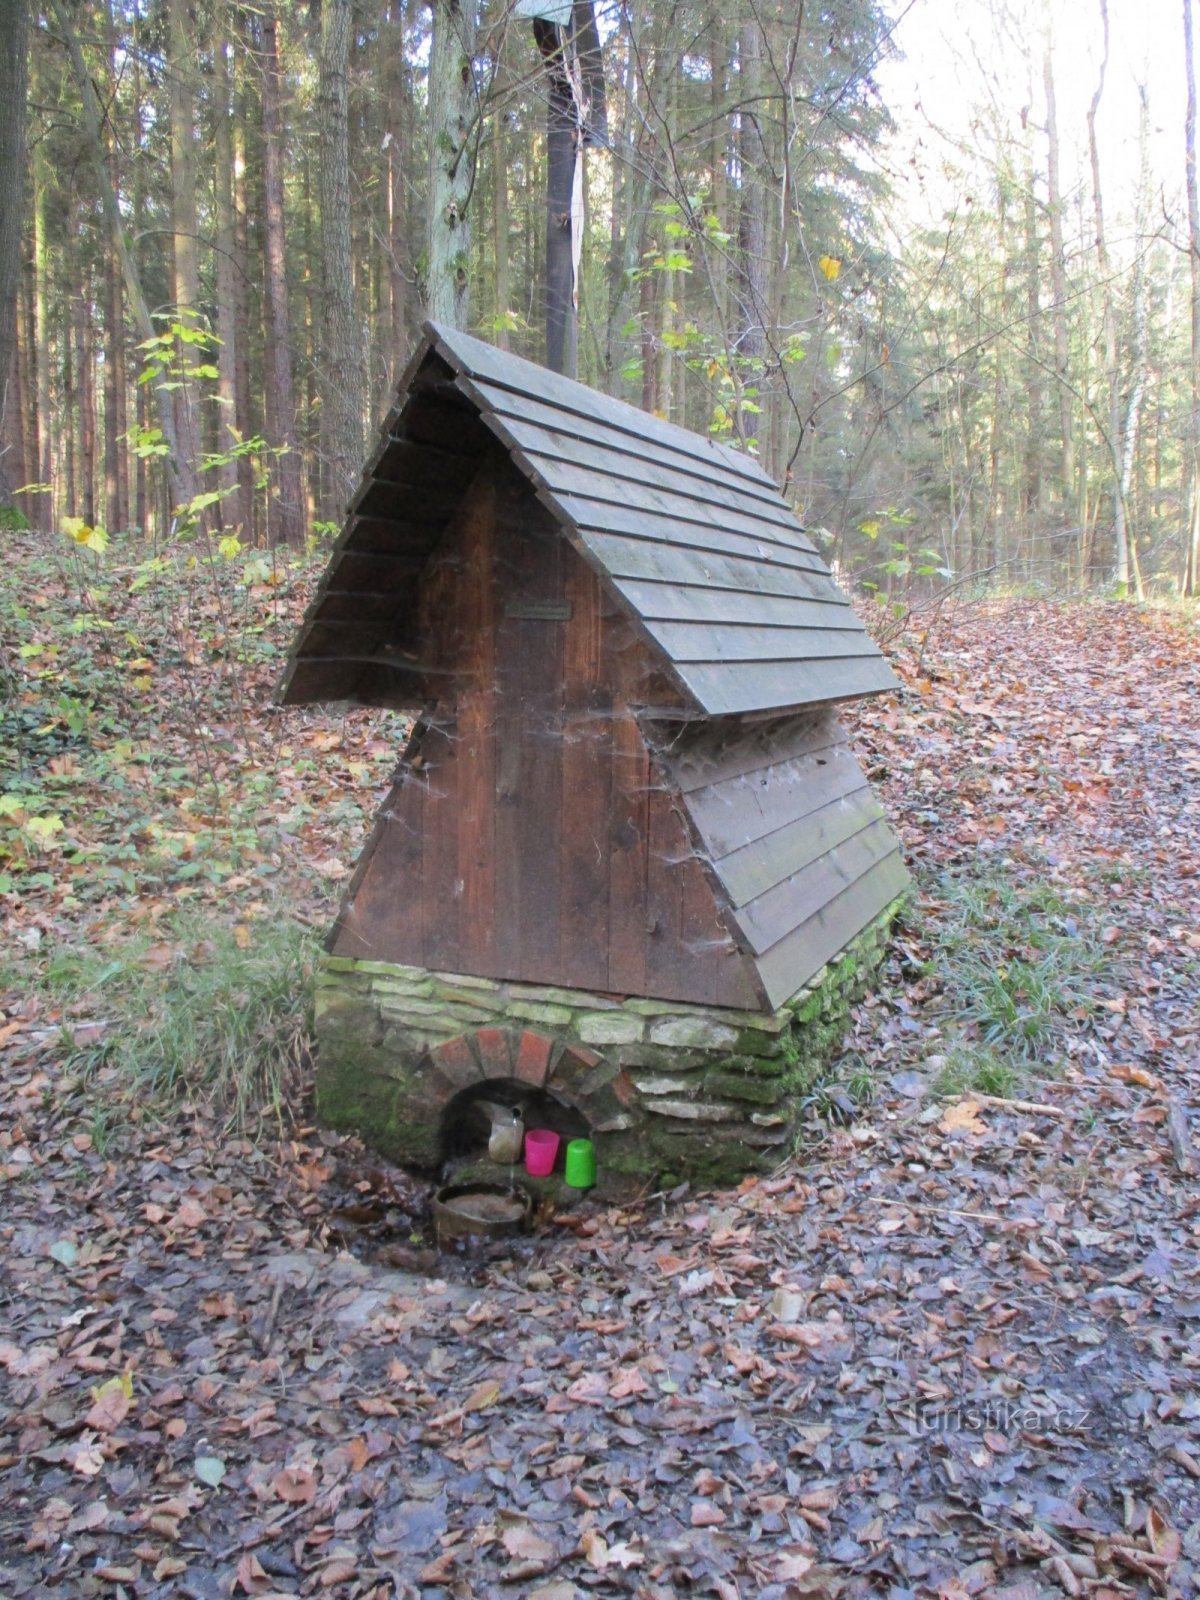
x=952 y=1349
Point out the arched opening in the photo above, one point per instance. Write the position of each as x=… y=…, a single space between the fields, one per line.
x=466 y=1120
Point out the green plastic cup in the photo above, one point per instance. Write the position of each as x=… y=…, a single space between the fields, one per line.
x=581 y=1164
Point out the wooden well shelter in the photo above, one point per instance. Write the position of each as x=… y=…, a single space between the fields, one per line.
x=625 y=781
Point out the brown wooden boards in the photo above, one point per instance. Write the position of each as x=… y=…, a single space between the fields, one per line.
x=700 y=547
x=555 y=454
x=628 y=779
x=530 y=837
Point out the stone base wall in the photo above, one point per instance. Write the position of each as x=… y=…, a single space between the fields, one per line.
x=670 y=1091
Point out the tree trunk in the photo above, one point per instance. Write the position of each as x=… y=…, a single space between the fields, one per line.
x=995 y=447
x=179 y=467
x=1112 y=363
x=116 y=477
x=235 y=511
x=14 y=77
x=1058 y=285
x=17 y=412
x=1191 y=447
x=244 y=409
x=752 y=228
x=452 y=121
x=500 y=226
x=562 y=332
x=27 y=373
x=341 y=372
x=41 y=327
x=81 y=316
x=1031 y=489
x=185 y=279
x=285 y=519
x=397 y=203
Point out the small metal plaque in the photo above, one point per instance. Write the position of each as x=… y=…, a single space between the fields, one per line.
x=538 y=610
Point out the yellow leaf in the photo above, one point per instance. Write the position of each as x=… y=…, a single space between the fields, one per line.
x=485 y=1395
x=124 y=1383
x=830 y=266
x=965 y=1115
x=94 y=538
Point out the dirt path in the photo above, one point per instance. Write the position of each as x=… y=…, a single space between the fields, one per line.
x=951 y=1351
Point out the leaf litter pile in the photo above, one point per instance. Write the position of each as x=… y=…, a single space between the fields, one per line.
x=951 y=1349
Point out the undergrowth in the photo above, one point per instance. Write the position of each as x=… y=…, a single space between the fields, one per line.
x=213 y=1012
x=165 y=832
x=1022 y=967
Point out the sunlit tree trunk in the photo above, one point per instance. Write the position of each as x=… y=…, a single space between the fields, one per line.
x=286 y=519
x=179 y=466
x=1112 y=363
x=235 y=511
x=14 y=70
x=1191 y=446
x=452 y=136
x=1058 y=286
x=41 y=325
x=248 y=414
x=341 y=370
x=186 y=258
x=116 y=475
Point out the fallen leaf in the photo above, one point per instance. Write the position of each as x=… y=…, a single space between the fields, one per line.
x=210 y=1470
x=480 y=1398
x=522 y=1544
x=962 y=1115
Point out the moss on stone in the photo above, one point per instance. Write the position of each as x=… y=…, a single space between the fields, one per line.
x=809 y=1010
x=752 y=1043
x=373 y=1072
x=742 y=1086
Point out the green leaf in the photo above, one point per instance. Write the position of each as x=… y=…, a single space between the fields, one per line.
x=210 y=1470
x=64 y=1252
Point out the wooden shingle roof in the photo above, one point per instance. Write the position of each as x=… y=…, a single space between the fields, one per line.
x=698 y=543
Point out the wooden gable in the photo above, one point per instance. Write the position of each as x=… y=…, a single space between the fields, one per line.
x=702 y=550
x=626 y=776
x=530 y=834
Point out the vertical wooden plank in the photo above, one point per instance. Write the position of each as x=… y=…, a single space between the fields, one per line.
x=381 y=918
x=666 y=866
x=475 y=642
x=630 y=814
x=507 y=765
x=587 y=756
x=718 y=970
x=441 y=887
x=538 y=680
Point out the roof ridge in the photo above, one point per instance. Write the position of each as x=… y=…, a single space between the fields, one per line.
x=448 y=340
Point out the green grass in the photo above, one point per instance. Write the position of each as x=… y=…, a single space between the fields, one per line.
x=978 y=1069
x=193 y=1014
x=1022 y=966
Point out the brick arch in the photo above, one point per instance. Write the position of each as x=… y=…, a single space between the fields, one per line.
x=570 y=1071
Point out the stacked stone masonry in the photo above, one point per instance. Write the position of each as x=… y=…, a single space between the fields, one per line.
x=669 y=1090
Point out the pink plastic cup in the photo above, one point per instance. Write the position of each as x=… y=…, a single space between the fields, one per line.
x=541 y=1149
